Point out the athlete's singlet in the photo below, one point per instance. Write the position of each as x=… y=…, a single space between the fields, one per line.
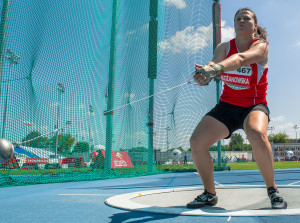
x=245 y=86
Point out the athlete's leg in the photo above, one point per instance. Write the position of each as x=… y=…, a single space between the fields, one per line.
x=255 y=127
x=207 y=132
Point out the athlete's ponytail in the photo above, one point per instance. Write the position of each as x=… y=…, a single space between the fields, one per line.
x=260 y=32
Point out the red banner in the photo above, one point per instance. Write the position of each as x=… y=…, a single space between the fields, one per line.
x=74 y=162
x=119 y=159
x=12 y=163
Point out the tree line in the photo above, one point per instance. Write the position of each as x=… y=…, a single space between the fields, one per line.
x=66 y=142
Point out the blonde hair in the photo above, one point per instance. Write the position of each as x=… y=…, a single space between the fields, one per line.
x=260 y=32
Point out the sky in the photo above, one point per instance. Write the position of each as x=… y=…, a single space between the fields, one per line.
x=282 y=21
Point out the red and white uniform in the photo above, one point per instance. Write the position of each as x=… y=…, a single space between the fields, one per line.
x=246 y=86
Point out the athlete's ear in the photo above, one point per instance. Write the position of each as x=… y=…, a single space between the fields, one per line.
x=255 y=27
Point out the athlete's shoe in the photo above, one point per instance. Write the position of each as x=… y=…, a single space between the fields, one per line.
x=276 y=200
x=203 y=199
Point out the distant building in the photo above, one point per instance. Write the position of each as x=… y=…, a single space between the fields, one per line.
x=280 y=150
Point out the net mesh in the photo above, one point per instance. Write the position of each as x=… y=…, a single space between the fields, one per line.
x=55 y=87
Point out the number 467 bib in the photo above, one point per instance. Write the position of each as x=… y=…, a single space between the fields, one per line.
x=238 y=78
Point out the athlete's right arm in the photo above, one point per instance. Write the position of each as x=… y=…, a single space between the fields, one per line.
x=219 y=55
x=207 y=72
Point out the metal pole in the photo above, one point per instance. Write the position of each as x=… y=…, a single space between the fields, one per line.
x=272 y=143
x=13 y=59
x=57 y=124
x=216 y=12
x=296 y=127
x=61 y=89
x=5 y=105
x=152 y=72
x=150 y=126
x=168 y=129
x=111 y=84
x=3 y=32
x=91 y=110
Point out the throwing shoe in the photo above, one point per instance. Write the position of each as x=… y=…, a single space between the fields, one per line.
x=203 y=199
x=277 y=201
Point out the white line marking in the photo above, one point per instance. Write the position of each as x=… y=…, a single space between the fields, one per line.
x=218 y=184
x=127 y=202
x=294 y=183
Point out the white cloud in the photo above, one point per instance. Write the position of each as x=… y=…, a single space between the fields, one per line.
x=180 y=4
x=278 y=118
x=140 y=29
x=227 y=32
x=189 y=40
x=298 y=44
x=287 y=129
x=286 y=126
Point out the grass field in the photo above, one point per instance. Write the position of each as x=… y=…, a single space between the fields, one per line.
x=144 y=169
x=41 y=176
x=252 y=165
x=233 y=166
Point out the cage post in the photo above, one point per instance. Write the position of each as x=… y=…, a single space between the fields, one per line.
x=216 y=12
x=3 y=32
x=111 y=84
x=152 y=72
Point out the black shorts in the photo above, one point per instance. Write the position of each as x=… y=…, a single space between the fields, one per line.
x=233 y=116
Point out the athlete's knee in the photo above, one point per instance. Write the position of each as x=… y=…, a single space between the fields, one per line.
x=257 y=134
x=196 y=139
x=198 y=144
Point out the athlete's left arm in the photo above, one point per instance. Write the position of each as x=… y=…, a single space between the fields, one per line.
x=258 y=53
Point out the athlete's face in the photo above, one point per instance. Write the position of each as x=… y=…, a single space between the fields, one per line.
x=244 y=23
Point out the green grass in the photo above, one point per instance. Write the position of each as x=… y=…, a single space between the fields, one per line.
x=253 y=165
x=84 y=170
x=166 y=167
x=46 y=171
x=144 y=169
x=233 y=166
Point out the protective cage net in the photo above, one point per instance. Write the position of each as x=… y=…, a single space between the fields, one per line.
x=75 y=85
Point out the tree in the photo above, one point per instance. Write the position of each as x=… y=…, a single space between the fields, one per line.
x=278 y=138
x=246 y=147
x=139 y=149
x=236 y=142
x=38 y=142
x=215 y=148
x=81 y=147
x=65 y=143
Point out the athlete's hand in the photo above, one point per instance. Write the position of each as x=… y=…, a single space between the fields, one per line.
x=198 y=77
x=204 y=74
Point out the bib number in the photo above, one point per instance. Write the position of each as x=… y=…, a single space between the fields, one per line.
x=244 y=70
